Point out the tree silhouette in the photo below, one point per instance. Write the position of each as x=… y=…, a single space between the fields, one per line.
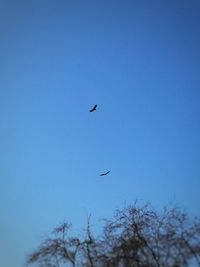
x=136 y=236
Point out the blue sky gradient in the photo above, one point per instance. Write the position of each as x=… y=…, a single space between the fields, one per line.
x=140 y=62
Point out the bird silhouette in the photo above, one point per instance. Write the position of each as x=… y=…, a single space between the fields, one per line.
x=105 y=173
x=93 y=109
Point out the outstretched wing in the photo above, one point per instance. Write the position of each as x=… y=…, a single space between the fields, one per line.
x=105 y=173
x=94 y=108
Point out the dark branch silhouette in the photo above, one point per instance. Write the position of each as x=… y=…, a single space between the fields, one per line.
x=135 y=237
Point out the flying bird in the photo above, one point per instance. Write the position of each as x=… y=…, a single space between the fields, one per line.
x=105 y=173
x=93 y=109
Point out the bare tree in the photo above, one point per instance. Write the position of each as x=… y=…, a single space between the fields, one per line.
x=58 y=249
x=136 y=236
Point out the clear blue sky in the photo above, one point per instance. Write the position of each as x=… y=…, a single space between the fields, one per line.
x=140 y=62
